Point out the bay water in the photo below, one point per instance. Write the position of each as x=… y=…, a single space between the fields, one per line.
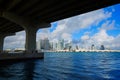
x=64 y=66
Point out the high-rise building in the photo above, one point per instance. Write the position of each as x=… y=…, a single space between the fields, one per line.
x=60 y=45
x=55 y=46
x=38 y=45
x=43 y=44
x=51 y=45
x=102 y=47
x=92 y=47
x=68 y=45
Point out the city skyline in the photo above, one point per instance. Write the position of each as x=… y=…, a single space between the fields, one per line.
x=45 y=44
x=97 y=27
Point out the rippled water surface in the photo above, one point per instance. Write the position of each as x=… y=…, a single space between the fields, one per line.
x=64 y=66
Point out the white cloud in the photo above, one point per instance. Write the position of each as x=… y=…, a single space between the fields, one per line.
x=66 y=36
x=108 y=25
x=102 y=38
x=44 y=33
x=115 y=44
x=85 y=37
x=71 y=25
x=74 y=24
x=15 y=41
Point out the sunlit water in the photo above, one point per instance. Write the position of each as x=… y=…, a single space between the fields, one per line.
x=64 y=66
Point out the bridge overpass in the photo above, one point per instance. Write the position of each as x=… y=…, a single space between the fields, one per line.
x=30 y=15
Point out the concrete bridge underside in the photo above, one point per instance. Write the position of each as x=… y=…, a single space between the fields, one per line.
x=30 y=15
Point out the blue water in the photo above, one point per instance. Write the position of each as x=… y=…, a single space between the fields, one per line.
x=64 y=66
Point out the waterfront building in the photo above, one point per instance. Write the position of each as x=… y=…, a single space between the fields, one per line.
x=43 y=44
x=102 y=47
x=51 y=45
x=68 y=46
x=38 y=45
x=60 y=45
x=56 y=46
x=92 y=47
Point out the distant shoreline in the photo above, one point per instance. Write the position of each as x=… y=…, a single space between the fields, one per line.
x=85 y=51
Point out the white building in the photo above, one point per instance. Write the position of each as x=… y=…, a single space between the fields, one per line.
x=43 y=44
x=60 y=45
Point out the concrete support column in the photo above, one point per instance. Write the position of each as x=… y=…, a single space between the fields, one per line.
x=30 y=39
x=1 y=43
x=31 y=36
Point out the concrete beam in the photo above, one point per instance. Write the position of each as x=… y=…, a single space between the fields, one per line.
x=6 y=34
x=42 y=25
x=22 y=21
x=11 y=4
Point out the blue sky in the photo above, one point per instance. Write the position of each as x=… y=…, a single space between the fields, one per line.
x=115 y=9
x=97 y=27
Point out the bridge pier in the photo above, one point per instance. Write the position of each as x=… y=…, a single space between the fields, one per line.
x=30 y=44
x=30 y=39
x=1 y=43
